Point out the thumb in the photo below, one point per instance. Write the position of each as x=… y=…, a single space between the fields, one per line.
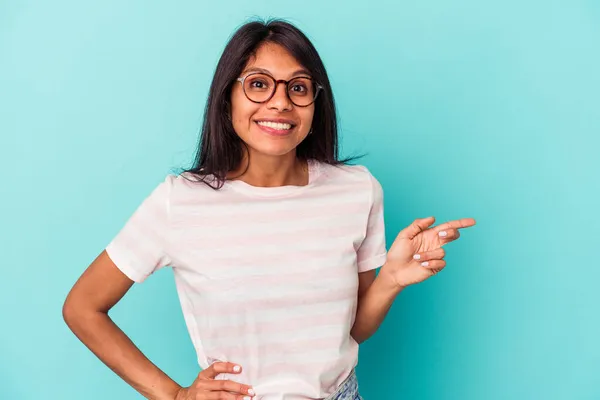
x=418 y=226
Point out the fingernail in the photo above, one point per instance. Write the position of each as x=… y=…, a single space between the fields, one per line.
x=250 y=391
x=443 y=233
x=417 y=256
x=247 y=398
x=237 y=368
x=425 y=263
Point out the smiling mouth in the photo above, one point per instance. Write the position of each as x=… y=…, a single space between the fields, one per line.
x=275 y=128
x=282 y=126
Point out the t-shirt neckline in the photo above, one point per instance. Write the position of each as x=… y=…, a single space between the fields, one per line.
x=276 y=191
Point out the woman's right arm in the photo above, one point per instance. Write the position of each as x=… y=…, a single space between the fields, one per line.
x=85 y=311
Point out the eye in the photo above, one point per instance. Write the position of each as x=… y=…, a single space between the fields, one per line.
x=299 y=88
x=258 y=84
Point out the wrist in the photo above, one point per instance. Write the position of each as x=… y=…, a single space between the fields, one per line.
x=388 y=281
x=174 y=393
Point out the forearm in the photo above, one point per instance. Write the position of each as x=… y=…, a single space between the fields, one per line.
x=373 y=306
x=110 y=344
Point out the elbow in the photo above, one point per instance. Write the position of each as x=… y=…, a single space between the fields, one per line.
x=358 y=338
x=74 y=312
x=69 y=312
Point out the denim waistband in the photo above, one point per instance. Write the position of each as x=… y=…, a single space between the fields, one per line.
x=348 y=389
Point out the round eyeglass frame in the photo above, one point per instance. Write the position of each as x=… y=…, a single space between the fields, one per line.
x=277 y=82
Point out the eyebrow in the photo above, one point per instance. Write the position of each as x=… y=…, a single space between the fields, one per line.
x=301 y=71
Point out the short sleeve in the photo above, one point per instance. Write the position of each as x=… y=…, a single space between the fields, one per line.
x=139 y=248
x=372 y=252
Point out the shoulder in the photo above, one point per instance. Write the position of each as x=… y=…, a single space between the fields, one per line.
x=357 y=179
x=356 y=173
x=184 y=180
x=186 y=189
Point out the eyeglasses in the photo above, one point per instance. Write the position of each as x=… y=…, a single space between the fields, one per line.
x=259 y=88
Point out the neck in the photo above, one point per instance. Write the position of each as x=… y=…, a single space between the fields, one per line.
x=271 y=171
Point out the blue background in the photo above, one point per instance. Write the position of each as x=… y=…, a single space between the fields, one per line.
x=473 y=109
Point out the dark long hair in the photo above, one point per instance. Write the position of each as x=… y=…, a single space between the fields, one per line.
x=220 y=149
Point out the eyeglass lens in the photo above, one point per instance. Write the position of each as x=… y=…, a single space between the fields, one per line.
x=259 y=87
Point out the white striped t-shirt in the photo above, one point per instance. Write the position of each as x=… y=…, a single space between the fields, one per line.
x=267 y=277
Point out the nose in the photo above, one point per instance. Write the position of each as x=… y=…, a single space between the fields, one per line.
x=280 y=100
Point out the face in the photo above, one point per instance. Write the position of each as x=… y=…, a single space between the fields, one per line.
x=277 y=126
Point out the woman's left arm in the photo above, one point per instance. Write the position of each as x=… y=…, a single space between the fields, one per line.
x=375 y=298
x=415 y=256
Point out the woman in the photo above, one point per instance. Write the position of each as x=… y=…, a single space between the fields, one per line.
x=273 y=241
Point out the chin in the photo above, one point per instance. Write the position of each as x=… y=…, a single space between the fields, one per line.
x=272 y=149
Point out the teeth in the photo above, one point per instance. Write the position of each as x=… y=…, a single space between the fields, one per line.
x=275 y=125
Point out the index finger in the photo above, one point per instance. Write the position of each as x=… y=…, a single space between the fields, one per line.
x=456 y=224
x=220 y=367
